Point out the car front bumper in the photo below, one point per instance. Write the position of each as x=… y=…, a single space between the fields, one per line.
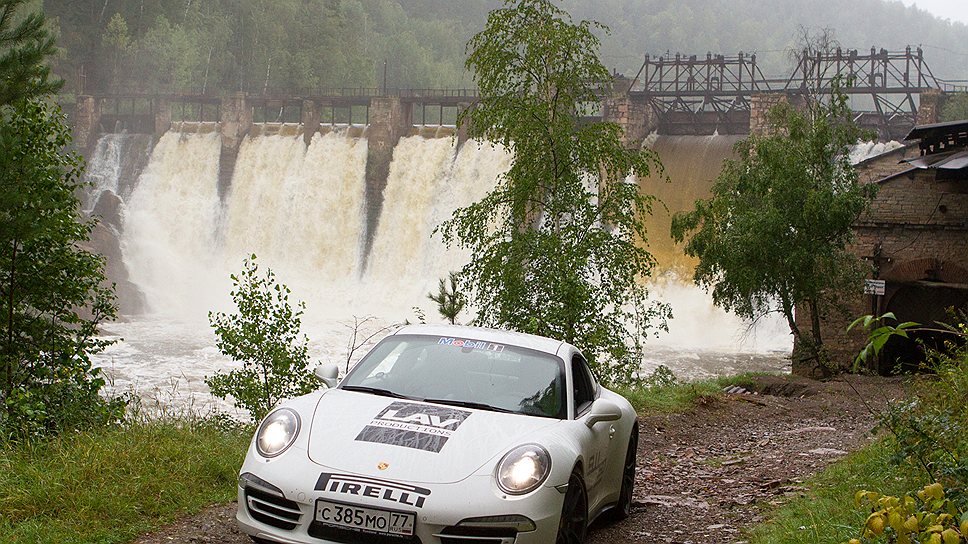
x=277 y=502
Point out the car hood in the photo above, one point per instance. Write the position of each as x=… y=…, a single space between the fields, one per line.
x=412 y=441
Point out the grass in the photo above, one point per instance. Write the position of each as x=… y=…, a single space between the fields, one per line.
x=111 y=485
x=669 y=398
x=826 y=514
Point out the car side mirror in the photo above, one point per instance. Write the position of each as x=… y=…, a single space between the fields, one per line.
x=328 y=372
x=603 y=410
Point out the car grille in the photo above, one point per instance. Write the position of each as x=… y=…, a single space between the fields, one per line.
x=349 y=536
x=477 y=535
x=272 y=510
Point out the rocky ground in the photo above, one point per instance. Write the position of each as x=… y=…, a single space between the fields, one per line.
x=704 y=475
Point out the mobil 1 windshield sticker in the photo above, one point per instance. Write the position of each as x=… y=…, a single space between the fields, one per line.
x=470 y=344
x=417 y=426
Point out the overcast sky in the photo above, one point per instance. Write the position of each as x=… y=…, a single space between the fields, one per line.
x=956 y=10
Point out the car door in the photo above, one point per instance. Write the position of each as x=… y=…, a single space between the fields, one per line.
x=597 y=438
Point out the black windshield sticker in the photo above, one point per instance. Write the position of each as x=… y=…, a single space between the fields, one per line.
x=472 y=344
x=417 y=426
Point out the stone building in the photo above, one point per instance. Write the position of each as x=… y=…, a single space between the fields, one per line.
x=915 y=237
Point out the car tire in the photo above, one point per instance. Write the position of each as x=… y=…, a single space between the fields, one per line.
x=623 y=508
x=573 y=523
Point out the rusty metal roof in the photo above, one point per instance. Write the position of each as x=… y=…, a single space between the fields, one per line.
x=947 y=160
x=940 y=138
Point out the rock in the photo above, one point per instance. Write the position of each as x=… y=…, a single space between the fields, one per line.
x=827 y=451
x=670 y=501
x=810 y=430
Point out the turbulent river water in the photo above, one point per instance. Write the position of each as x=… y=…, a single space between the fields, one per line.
x=300 y=209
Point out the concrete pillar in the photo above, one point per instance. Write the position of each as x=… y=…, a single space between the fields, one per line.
x=464 y=123
x=235 y=122
x=309 y=120
x=87 y=117
x=760 y=105
x=390 y=119
x=633 y=114
x=162 y=116
x=929 y=112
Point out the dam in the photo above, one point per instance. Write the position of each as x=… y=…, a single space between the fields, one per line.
x=340 y=198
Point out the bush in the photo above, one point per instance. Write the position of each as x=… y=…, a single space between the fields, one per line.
x=930 y=434
x=265 y=336
x=930 y=518
x=931 y=429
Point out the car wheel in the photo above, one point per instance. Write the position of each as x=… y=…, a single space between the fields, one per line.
x=573 y=523
x=623 y=509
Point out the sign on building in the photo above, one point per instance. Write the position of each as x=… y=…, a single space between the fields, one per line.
x=874 y=287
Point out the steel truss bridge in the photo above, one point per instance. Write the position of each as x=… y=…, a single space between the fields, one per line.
x=687 y=95
x=692 y=95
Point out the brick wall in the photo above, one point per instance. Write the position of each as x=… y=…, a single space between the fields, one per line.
x=916 y=229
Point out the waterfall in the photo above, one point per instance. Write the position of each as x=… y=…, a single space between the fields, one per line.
x=698 y=328
x=301 y=209
x=117 y=161
x=171 y=224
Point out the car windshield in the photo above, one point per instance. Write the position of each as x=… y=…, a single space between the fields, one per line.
x=463 y=372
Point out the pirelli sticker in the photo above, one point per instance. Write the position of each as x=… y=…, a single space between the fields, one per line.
x=417 y=426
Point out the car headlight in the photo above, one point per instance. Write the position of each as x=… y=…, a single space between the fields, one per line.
x=277 y=432
x=523 y=469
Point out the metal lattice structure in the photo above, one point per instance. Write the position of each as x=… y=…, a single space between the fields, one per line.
x=690 y=94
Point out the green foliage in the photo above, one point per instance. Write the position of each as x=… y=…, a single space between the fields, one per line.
x=116 y=41
x=662 y=376
x=25 y=46
x=878 y=336
x=52 y=292
x=931 y=518
x=931 y=429
x=955 y=108
x=256 y=46
x=226 y=45
x=450 y=301
x=265 y=337
x=930 y=432
x=110 y=485
x=773 y=235
x=558 y=244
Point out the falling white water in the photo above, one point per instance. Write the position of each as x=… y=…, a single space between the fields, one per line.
x=867 y=150
x=116 y=157
x=300 y=210
x=171 y=224
x=418 y=176
x=104 y=171
x=476 y=171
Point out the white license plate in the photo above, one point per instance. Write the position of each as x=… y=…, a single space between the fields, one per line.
x=372 y=520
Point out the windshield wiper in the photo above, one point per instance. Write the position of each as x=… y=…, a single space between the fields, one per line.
x=470 y=404
x=374 y=391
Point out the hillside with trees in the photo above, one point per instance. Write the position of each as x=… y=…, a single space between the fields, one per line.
x=306 y=45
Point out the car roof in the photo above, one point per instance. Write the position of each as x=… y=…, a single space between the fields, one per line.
x=530 y=341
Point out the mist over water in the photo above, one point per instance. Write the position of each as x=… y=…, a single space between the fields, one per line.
x=301 y=210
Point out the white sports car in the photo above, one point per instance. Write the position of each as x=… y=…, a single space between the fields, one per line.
x=444 y=434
